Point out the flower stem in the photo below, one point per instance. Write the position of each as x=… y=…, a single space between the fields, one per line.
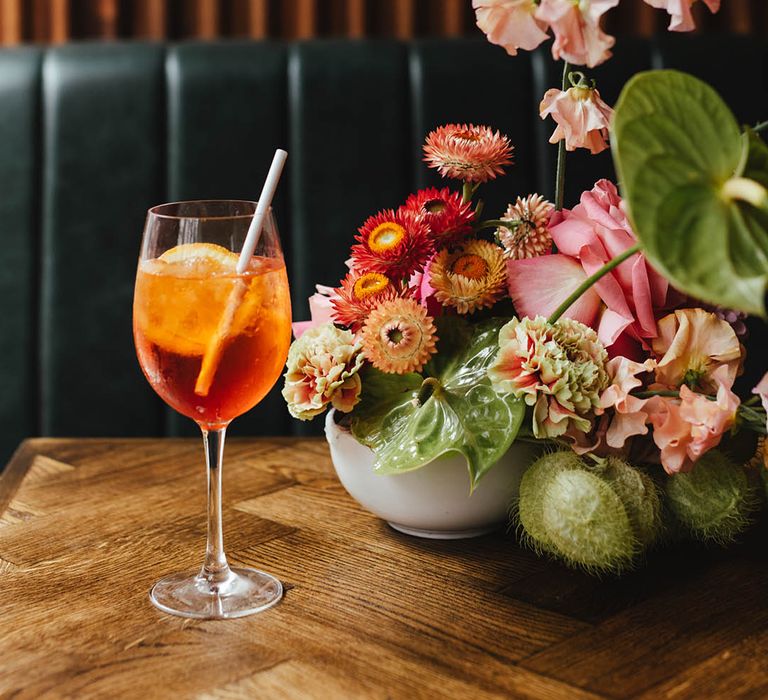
x=759 y=127
x=587 y=283
x=511 y=224
x=468 y=191
x=560 y=177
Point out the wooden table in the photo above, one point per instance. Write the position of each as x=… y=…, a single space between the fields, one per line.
x=87 y=527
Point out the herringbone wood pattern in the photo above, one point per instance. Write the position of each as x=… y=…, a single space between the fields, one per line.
x=87 y=526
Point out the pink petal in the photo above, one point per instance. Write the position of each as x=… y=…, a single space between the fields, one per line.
x=539 y=285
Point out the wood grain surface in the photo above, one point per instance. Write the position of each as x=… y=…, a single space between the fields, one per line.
x=86 y=526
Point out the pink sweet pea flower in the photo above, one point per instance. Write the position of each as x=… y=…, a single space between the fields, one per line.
x=680 y=12
x=578 y=37
x=510 y=23
x=762 y=391
x=320 y=311
x=582 y=118
x=685 y=429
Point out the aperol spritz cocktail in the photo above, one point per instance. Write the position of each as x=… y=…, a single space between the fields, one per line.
x=212 y=337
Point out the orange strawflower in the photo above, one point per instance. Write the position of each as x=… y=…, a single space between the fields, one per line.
x=467 y=152
x=358 y=295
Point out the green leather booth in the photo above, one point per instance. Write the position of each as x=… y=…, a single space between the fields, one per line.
x=91 y=135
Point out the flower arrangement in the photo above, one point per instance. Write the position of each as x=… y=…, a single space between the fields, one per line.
x=611 y=332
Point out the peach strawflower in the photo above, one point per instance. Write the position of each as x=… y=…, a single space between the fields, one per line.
x=398 y=336
x=560 y=370
x=578 y=37
x=510 y=23
x=322 y=370
x=358 y=294
x=692 y=343
x=449 y=218
x=395 y=244
x=531 y=238
x=467 y=152
x=684 y=429
x=469 y=277
x=681 y=19
x=582 y=118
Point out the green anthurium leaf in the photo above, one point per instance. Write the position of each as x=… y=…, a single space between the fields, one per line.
x=409 y=420
x=696 y=188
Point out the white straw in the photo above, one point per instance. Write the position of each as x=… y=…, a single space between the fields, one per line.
x=262 y=207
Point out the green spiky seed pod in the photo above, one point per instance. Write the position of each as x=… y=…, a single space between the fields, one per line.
x=713 y=502
x=532 y=489
x=640 y=497
x=586 y=522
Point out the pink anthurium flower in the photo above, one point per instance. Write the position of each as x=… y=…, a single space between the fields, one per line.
x=578 y=37
x=511 y=24
x=320 y=310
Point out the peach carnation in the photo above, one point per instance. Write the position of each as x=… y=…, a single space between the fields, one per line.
x=560 y=370
x=322 y=370
x=357 y=296
x=510 y=23
x=576 y=25
x=691 y=344
x=467 y=152
x=470 y=277
x=399 y=336
x=395 y=244
x=449 y=217
x=531 y=237
x=681 y=18
x=581 y=116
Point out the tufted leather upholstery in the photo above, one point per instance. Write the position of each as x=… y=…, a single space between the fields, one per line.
x=91 y=135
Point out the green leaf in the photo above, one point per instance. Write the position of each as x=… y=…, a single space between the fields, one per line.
x=696 y=188
x=409 y=420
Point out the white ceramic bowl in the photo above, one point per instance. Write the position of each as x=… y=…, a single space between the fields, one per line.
x=433 y=501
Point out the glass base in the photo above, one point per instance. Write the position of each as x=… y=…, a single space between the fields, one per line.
x=242 y=592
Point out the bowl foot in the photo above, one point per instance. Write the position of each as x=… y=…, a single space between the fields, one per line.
x=444 y=534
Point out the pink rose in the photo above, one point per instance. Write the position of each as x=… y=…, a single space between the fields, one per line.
x=510 y=23
x=578 y=37
x=320 y=311
x=582 y=118
x=591 y=234
x=680 y=12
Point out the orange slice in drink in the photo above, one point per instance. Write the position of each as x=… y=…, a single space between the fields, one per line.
x=181 y=296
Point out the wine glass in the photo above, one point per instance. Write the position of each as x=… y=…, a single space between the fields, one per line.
x=212 y=342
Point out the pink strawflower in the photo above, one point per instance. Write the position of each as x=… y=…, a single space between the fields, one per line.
x=531 y=237
x=467 y=152
x=578 y=37
x=510 y=23
x=320 y=310
x=692 y=345
x=581 y=115
x=591 y=234
x=684 y=429
x=680 y=12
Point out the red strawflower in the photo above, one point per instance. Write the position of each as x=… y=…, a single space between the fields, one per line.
x=467 y=152
x=448 y=217
x=358 y=295
x=395 y=244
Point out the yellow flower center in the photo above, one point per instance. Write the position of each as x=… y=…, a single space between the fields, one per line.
x=471 y=266
x=435 y=206
x=582 y=94
x=386 y=237
x=369 y=284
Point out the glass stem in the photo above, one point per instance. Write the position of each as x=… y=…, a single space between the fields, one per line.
x=215 y=570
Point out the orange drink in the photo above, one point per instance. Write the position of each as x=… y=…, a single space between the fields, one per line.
x=190 y=299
